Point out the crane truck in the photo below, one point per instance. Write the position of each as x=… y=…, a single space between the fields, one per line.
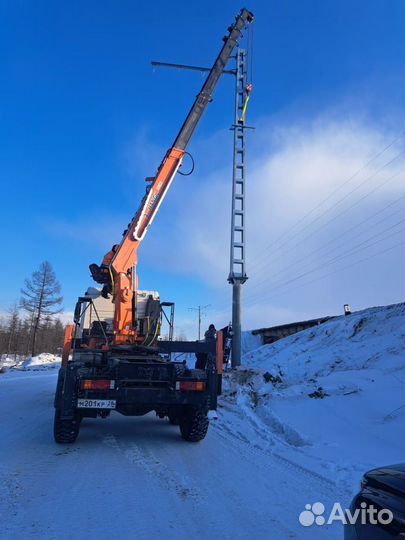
x=113 y=358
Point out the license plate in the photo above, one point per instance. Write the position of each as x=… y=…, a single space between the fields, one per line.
x=96 y=403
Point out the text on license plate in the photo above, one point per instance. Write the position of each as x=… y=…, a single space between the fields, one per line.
x=96 y=403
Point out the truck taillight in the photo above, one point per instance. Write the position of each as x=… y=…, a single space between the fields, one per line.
x=98 y=384
x=193 y=386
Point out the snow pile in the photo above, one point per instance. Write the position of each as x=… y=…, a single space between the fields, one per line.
x=41 y=362
x=7 y=362
x=250 y=342
x=331 y=395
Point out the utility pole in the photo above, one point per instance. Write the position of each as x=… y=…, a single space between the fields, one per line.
x=200 y=311
x=237 y=270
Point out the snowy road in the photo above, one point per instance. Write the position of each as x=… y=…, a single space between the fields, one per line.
x=136 y=478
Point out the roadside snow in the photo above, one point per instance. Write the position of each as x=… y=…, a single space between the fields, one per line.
x=7 y=362
x=331 y=396
x=40 y=362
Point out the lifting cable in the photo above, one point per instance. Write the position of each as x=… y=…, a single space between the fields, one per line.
x=249 y=86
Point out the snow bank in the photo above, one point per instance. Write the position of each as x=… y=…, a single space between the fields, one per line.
x=7 y=362
x=250 y=342
x=43 y=361
x=333 y=394
x=361 y=340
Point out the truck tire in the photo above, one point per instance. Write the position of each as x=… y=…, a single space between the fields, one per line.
x=65 y=431
x=194 y=424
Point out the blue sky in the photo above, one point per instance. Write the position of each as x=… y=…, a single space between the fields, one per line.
x=84 y=119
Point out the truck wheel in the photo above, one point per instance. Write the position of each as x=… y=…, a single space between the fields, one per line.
x=194 y=425
x=65 y=431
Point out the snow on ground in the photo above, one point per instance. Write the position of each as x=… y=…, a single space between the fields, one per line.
x=129 y=478
x=7 y=362
x=333 y=394
x=42 y=362
x=272 y=450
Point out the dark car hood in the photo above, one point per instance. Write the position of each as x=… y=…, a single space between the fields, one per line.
x=389 y=478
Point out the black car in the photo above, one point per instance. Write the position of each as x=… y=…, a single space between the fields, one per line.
x=382 y=491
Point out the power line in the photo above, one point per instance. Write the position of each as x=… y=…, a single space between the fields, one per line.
x=334 y=217
x=335 y=271
x=201 y=312
x=338 y=189
x=252 y=300
x=339 y=237
x=351 y=251
x=340 y=201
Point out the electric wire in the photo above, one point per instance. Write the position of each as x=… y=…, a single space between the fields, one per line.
x=275 y=242
x=358 y=201
x=340 y=187
x=352 y=251
x=336 y=238
x=266 y=297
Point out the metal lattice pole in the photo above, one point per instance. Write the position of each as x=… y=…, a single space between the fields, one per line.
x=237 y=273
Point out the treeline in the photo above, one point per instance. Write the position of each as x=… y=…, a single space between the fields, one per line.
x=31 y=326
x=16 y=335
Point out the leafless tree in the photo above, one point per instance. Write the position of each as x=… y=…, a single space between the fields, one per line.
x=12 y=330
x=41 y=298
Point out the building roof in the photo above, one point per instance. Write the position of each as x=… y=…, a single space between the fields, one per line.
x=310 y=322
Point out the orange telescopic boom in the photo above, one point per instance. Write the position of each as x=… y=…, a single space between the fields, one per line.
x=118 y=270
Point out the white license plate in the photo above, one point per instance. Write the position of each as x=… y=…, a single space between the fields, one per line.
x=96 y=403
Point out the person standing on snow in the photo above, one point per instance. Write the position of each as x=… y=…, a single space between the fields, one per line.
x=210 y=335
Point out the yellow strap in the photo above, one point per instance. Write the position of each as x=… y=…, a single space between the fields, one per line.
x=147 y=331
x=242 y=119
x=157 y=328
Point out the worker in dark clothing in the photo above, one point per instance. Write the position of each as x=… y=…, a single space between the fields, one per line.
x=210 y=335
x=102 y=274
x=227 y=333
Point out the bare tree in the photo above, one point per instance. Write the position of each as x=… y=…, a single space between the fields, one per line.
x=40 y=298
x=13 y=326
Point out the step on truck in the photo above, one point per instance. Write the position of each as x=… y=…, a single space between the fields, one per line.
x=113 y=357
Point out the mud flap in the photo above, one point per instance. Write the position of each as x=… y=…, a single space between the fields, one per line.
x=68 y=395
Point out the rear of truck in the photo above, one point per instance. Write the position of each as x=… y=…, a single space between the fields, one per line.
x=93 y=383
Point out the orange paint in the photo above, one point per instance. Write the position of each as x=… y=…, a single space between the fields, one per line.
x=67 y=343
x=125 y=258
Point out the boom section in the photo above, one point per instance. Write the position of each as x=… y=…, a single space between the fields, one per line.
x=173 y=158
x=244 y=18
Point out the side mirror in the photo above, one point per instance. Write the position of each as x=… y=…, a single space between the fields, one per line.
x=77 y=313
